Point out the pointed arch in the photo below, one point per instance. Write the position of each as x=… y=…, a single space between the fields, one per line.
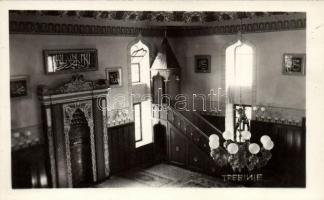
x=146 y=43
x=140 y=57
x=240 y=77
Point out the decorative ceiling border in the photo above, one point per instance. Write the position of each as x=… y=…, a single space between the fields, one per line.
x=258 y=27
x=28 y=27
x=149 y=17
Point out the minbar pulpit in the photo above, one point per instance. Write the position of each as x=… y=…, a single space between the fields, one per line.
x=75 y=129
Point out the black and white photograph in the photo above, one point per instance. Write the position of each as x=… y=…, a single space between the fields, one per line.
x=146 y=98
x=199 y=143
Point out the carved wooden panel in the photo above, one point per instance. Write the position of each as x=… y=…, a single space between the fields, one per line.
x=178 y=148
x=196 y=159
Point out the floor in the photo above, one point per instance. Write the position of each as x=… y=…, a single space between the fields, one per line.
x=161 y=175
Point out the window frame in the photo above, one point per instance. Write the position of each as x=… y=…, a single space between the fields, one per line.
x=140 y=56
x=230 y=51
x=140 y=120
x=139 y=72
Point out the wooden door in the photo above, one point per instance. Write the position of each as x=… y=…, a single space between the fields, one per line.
x=160 y=142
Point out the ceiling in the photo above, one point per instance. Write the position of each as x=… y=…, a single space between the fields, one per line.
x=156 y=17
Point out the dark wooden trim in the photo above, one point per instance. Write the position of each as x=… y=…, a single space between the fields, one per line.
x=28 y=27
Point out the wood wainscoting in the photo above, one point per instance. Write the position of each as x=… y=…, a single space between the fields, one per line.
x=28 y=168
x=287 y=166
x=288 y=163
x=121 y=147
x=289 y=153
x=123 y=153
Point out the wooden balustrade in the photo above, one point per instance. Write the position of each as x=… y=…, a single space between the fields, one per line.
x=188 y=128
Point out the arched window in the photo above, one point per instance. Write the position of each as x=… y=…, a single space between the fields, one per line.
x=239 y=65
x=140 y=84
x=239 y=77
x=140 y=63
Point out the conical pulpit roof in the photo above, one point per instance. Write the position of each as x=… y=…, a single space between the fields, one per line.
x=165 y=58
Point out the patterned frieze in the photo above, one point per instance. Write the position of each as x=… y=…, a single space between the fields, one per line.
x=26 y=136
x=31 y=27
x=278 y=115
x=281 y=115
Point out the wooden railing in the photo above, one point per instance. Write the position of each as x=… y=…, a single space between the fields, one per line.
x=201 y=123
x=192 y=126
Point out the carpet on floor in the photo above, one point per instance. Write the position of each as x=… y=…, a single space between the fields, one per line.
x=201 y=181
x=147 y=178
x=153 y=180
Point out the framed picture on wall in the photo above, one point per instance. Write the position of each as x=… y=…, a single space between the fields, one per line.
x=70 y=60
x=114 y=76
x=293 y=64
x=202 y=63
x=19 y=87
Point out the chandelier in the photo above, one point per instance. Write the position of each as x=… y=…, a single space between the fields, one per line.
x=237 y=150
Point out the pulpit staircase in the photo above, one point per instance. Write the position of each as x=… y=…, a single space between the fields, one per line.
x=187 y=135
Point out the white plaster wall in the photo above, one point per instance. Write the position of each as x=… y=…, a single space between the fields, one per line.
x=26 y=57
x=272 y=87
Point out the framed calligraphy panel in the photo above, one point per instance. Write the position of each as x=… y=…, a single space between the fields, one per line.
x=70 y=60
x=19 y=87
x=114 y=76
x=202 y=63
x=293 y=64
